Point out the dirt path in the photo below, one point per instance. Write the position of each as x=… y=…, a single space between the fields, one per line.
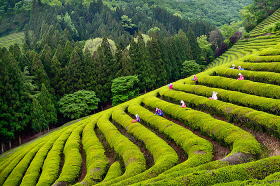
x=84 y=164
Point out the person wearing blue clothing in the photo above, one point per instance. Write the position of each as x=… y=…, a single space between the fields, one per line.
x=159 y=112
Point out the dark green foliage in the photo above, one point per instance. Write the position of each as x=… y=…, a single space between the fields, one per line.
x=124 y=89
x=39 y=121
x=190 y=68
x=46 y=101
x=78 y=104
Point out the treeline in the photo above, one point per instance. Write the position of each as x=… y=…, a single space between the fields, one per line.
x=54 y=61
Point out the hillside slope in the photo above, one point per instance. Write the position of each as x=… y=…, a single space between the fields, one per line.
x=230 y=141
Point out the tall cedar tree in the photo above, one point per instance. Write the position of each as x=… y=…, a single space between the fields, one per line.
x=105 y=71
x=157 y=62
x=46 y=101
x=11 y=86
x=73 y=72
x=37 y=69
x=39 y=122
x=195 y=50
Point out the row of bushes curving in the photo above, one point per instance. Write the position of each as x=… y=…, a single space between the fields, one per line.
x=133 y=158
x=72 y=157
x=256 y=102
x=246 y=86
x=164 y=155
x=268 y=67
x=264 y=77
x=16 y=175
x=198 y=149
x=258 y=59
x=269 y=52
x=33 y=172
x=51 y=165
x=252 y=170
x=15 y=160
x=114 y=171
x=180 y=135
x=220 y=130
x=250 y=117
x=96 y=160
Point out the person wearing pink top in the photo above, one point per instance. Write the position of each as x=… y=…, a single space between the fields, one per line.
x=170 y=86
x=183 y=104
x=241 y=77
x=195 y=79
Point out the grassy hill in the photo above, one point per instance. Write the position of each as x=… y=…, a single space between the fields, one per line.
x=230 y=141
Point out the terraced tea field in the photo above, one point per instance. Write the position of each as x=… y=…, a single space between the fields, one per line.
x=12 y=39
x=234 y=140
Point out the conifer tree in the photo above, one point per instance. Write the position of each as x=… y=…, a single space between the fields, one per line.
x=37 y=69
x=105 y=71
x=39 y=122
x=46 y=101
x=195 y=50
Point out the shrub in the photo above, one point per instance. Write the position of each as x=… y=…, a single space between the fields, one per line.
x=252 y=170
x=217 y=129
x=96 y=160
x=73 y=159
x=81 y=103
x=242 y=99
x=164 y=155
x=254 y=119
x=246 y=86
x=114 y=171
x=133 y=158
x=51 y=165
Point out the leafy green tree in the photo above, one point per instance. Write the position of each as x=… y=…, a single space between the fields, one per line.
x=78 y=104
x=39 y=122
x=190 y=68
x=124 y=88
x=207 y=54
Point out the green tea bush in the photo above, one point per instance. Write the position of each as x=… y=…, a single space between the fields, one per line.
x=217 y=129
x=20 y=156
x=252 y=170
x=242 y=99
x=164 y=156
x=252 y=118
x=269 y=67
x=73 y=159
x=33 y=172
x=180 y=135
x=114 y=171
x=51 y=165
x=96 y=159
x=245 y=86
x=258 y=59
x=133 y=158
x=264 y=77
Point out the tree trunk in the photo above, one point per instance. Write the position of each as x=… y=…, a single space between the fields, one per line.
x=19 y=140
x=10 y=144
x=2 y=147
x=48 y=128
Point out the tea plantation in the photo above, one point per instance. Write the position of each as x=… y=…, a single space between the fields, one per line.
x=234 y=140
